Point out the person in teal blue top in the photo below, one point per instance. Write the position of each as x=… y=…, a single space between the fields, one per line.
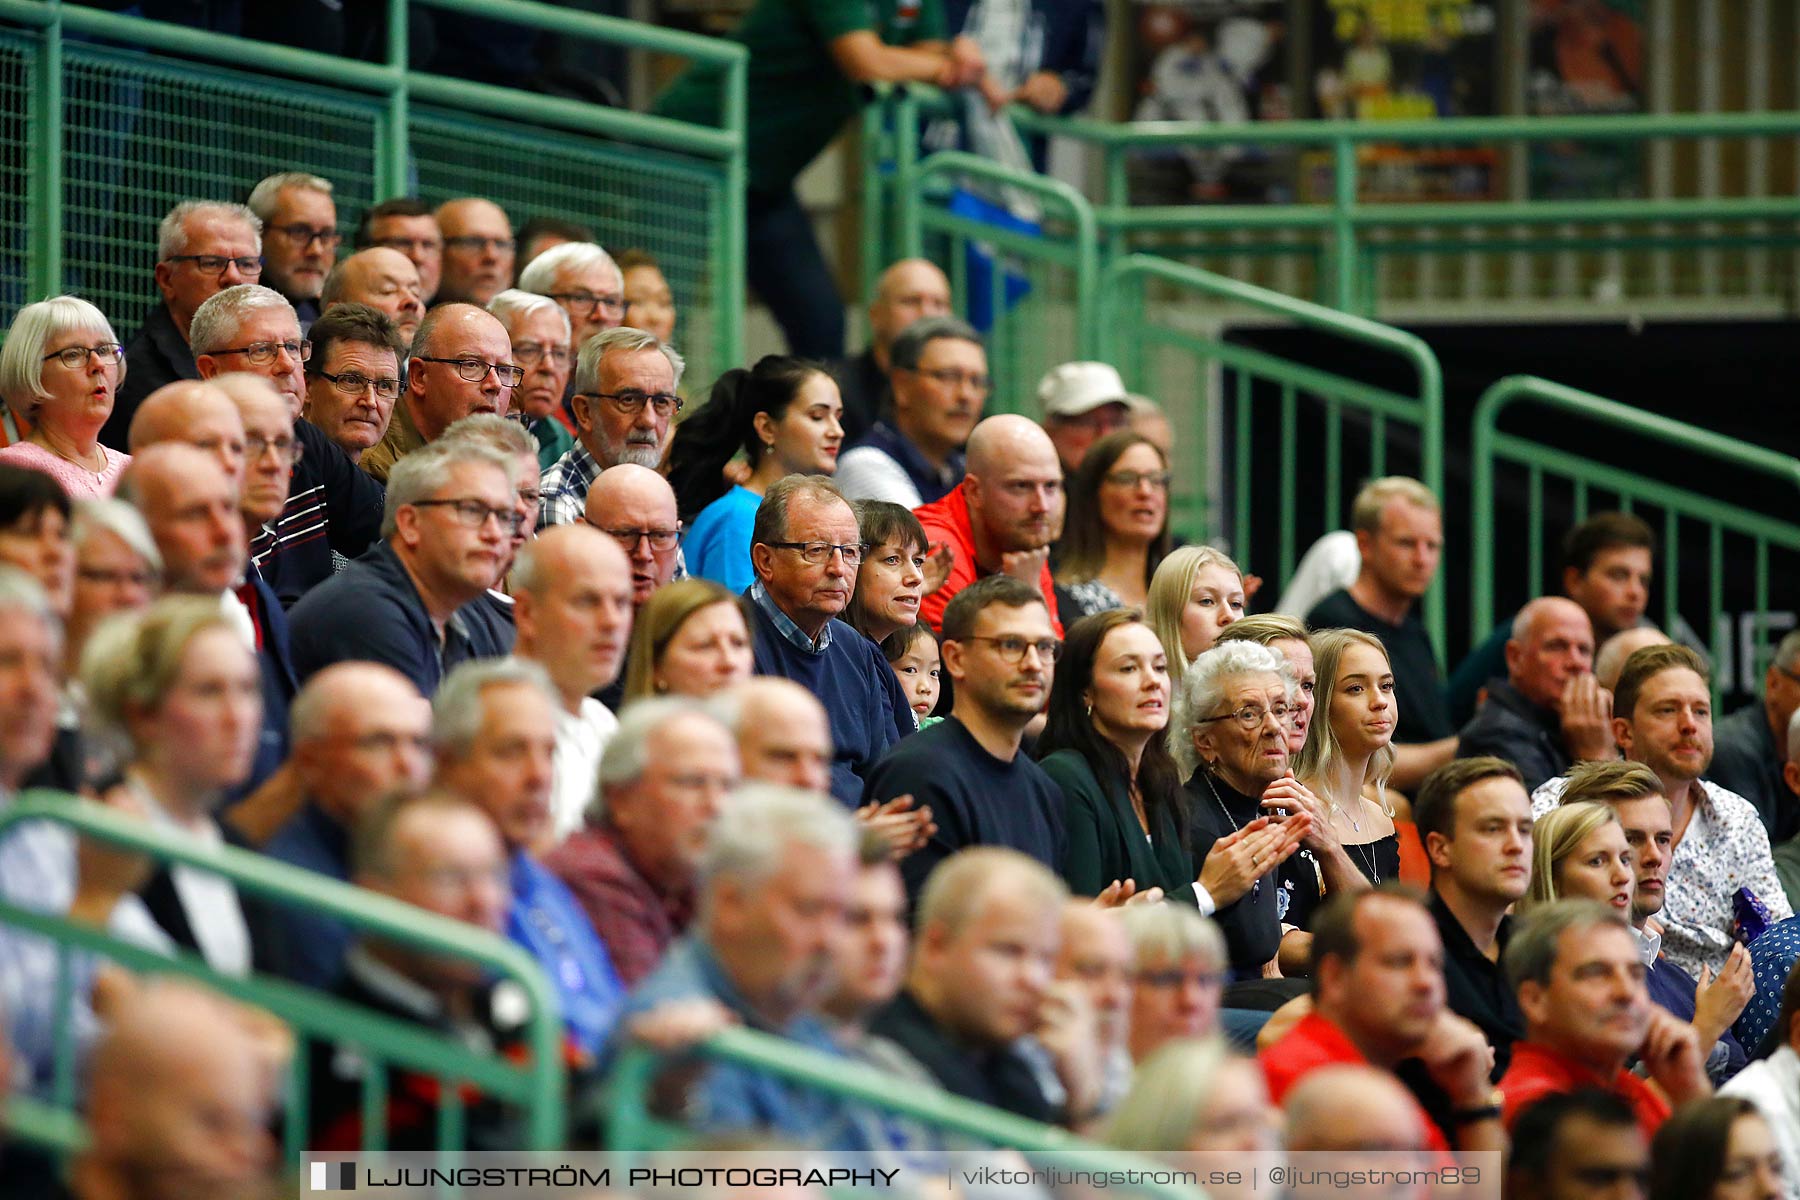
x=784 y=414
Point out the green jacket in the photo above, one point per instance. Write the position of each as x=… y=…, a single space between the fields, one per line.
x=1105 y=841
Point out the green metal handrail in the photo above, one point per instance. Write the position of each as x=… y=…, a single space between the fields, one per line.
x=1548 y=454
x=630 y=1122
x=1125 y=328
x=537 y=1086
x=399 y=85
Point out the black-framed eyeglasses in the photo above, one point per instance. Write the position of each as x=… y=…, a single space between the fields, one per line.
x=75 y=357
x=530 y=354
x=818 y=552
x=469 y=241
x=631 y=403
x=305 y=235
x=410 y=246
x=581 y=305
x=354 y=383
x=263 y=353
x=474 y=513
x=1251 y=716
x=215 y=264
x=661 y=540
x=475 y=370
x=952 y=378
x=1132 y=480
x=1011 y=649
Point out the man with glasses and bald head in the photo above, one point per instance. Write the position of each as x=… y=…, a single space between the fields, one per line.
x=202 y=248
x=447 y=533
x=461 y=365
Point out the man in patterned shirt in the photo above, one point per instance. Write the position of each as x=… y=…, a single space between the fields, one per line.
x=1662 y=717
x=625 y=403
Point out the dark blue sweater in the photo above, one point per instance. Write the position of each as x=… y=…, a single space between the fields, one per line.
x=856 y=686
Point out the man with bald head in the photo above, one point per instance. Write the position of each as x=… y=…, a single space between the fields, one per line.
x=385 y=280
x=1352 y=1109
x=461 y=365
x=783 y=735
x=360 y=733
x=805 y=549
x=327 y=504
x=195 y=413
x=572 y=604
x=907 y=291
x=1004 y=515
x=478 y=251
x=179 y=1101
x=1609 y=660
x=635 y=507
x=1549 y=712
x=191 y=507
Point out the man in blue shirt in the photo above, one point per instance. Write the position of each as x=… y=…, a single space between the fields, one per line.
x=494 y=727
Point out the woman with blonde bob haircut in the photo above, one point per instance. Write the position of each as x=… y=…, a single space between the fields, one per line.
x=1195 y=1095
x=60 y=371
x=1196 y=592
x=179 y=686
x=1579 y=851
x=689 y=639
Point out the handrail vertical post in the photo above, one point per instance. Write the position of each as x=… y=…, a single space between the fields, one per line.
x=46 y=180
x=1343 y=227
x=392 y=161
x=730 y=337
x=1481 y=510
x=908 y=204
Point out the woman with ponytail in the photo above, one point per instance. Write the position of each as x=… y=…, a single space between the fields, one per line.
x=784 y=414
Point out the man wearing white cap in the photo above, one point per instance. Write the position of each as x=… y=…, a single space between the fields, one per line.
x=1082 y=401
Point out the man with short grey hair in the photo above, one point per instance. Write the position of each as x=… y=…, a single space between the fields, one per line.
x=447 y=528
x=624 y=402
x=939 y=371
x=461 y=364
x=667 y=773
x=202 y=247
x=1750 y=746
x=585 y=281
x=300 y=237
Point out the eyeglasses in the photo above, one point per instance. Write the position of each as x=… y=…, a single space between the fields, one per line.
x=475 y=370
x=953 y=378
x=632 y=403
x=475 y=513
x=1174 y=977
x=215 y=264
x=471 y=242
x=530 y=354
x=305 y=235
x=353 y=384
x=263 y=353
x=75 y=357
x=661 y=540
x=1251 y=716
x=1012 y=649
x=1159 y=480
x=287 y=450
x=386 y=742
x=581 y=305
x=108 y=578
x=410 y=246
x=818 y=552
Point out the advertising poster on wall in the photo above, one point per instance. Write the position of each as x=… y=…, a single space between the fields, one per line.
x=1585 y=57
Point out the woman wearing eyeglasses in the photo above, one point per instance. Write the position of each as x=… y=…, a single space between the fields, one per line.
x=784 y=414
x=59 y=375
x=1117 y=530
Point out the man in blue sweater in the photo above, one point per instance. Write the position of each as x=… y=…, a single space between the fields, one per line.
x=805 y=549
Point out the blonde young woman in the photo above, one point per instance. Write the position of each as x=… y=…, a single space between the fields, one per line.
x=689 y=639
x=1196 y=592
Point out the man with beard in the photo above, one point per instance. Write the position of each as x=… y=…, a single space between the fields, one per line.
x=624 y=401
x=1004 y=515
x=1662 y=717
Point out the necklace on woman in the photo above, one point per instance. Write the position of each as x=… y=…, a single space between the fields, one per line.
x=1365 y=854
x=1256 y=886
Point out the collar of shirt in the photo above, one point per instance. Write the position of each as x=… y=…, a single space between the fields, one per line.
x=790 y=632
x=1649 y=945
x=931 y=482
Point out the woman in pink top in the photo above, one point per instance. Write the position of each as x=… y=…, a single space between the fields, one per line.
x=59 y=374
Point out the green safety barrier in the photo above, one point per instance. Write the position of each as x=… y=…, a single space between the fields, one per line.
x=1345 y=237
x=109 y=121
x=1568 y=452
x=1139 y=319
x=965 y=1123
x=536 y=1087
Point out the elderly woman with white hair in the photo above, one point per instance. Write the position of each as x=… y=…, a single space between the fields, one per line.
x=59 y=375
x=541 y=343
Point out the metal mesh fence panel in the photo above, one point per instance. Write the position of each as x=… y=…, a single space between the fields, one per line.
x=18 y=159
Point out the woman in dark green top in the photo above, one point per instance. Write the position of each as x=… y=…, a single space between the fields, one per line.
x=1103 y=745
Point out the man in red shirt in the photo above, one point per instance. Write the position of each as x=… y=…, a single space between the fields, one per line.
x=1002 y=516
x=1587 y=1011
x=1378 y=1000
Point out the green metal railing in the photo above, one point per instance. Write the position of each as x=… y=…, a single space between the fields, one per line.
x=1345 y=236
x=631 y=1123
x=1276 y=405
x=1567 y=452
x=109 y=120
x=536 y=1087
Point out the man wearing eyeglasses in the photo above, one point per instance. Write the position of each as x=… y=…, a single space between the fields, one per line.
x=939 y=374
x=636 y=507
x=478 y=251
x=582 y=278
x=202 y=248
x=625 y=401
x=329 y=504
x=353 y=376
x=461 y=365
x=300 y=237
x=405 y=224
x=447 y=532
